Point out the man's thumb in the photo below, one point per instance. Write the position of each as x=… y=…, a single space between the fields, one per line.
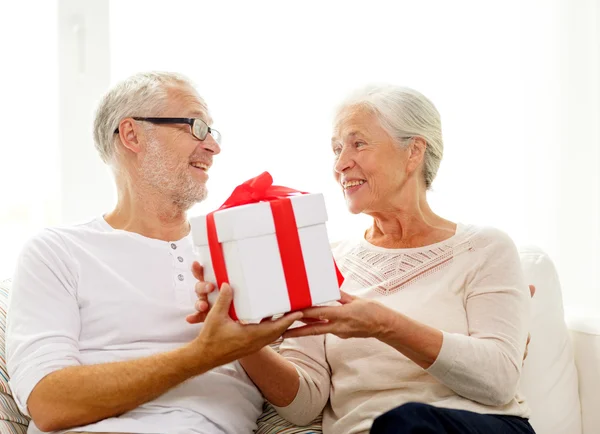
x=224 y=299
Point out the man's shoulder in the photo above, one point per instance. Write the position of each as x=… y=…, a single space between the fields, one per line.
x=58 y=236
x=97 y=224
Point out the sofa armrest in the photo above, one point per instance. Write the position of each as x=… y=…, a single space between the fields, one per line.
x=585 y=334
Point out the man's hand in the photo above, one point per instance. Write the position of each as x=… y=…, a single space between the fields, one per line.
x=225 y=340
x=222 y=339
x=202 y=289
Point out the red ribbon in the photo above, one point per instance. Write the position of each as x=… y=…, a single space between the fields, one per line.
x=261 y=189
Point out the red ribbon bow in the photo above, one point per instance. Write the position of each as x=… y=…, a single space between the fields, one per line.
x=261 y=189
x=258 y=189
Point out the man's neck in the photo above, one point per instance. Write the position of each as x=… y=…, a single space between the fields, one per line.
x=167 y=222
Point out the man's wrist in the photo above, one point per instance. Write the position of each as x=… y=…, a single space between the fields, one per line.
x=193 y=360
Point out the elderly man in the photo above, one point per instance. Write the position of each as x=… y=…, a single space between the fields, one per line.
x=97 y=339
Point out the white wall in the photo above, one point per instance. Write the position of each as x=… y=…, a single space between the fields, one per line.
x=272 y=73
x=29 y=171
x=516 y=83
x=579 y=168
x=84 y=58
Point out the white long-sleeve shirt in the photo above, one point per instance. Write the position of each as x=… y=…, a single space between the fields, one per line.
x=470 y=286
x=91 y=294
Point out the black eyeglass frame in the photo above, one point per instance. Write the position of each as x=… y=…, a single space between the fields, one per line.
x=190 y=121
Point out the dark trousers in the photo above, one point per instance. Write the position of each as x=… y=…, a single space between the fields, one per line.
x=414 y=418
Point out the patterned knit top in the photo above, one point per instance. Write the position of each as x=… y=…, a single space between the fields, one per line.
x=469 y=286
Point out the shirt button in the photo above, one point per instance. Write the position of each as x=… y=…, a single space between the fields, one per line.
x=173 y=246
x=180 y=259
x=180 y=277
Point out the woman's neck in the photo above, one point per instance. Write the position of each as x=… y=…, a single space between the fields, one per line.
x=408 y=226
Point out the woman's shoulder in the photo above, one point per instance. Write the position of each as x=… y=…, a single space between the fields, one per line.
x=487 y=238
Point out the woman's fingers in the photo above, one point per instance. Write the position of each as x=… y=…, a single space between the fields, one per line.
x=345 y=298
x=309 y=330
x=280 y=325
x=312 y=321
x=323 y=313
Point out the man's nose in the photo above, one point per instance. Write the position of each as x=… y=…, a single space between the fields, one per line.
x=210 y=144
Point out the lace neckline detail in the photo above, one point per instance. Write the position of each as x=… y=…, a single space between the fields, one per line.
x=389 y=270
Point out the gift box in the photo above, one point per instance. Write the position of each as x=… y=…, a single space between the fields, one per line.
x=270 y=244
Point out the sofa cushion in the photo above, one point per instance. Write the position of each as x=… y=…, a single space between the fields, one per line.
x=585 y=335
x=549 y=378
x=271 y=423
x=11 y=419
x=4 y=287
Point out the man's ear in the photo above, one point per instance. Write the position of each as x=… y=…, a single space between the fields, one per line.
x=416 y=154
x=129 y=133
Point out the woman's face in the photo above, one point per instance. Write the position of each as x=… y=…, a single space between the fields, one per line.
x=369 y=165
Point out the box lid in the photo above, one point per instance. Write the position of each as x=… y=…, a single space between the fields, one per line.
x=255 y=220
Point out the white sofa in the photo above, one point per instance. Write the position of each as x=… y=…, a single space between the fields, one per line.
x=561 y=376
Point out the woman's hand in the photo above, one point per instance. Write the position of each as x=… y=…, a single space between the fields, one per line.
x=354 y=318
x=364 y=318
x=202 y=289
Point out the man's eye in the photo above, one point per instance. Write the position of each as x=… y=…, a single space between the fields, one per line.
x=337 y=151
x=359 y=144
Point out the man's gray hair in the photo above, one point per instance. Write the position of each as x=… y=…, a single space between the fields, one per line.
x=143 y=94
x=404 y=112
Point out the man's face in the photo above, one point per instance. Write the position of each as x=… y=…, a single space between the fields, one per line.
x=174 y=163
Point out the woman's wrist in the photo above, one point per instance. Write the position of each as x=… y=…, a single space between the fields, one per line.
x=419 y=342
x=387 y=323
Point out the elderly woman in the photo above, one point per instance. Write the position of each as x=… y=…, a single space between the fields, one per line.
x=431 y=330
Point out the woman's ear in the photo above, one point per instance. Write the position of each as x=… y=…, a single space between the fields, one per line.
x=129 y=133
x=416 y=154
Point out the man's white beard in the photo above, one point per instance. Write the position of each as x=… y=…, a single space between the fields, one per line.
x=172 y=179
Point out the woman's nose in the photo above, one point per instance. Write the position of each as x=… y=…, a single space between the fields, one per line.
x=343 y=162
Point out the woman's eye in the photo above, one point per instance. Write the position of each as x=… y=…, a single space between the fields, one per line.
x=337 y=151
x=359 y=144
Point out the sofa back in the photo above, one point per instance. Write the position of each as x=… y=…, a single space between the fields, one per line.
x=549 y=380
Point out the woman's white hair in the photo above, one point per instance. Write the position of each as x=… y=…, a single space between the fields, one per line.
x=404 y=112
x=144 y=94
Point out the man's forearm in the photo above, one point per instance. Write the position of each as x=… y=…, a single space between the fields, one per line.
x=275 y=376
x=81 y=395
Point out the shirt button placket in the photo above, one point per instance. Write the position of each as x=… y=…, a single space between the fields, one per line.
x=182 y=293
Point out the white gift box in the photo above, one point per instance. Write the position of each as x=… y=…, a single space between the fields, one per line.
x=253 y=261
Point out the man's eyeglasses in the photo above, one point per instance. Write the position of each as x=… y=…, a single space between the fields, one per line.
x=199 y=128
